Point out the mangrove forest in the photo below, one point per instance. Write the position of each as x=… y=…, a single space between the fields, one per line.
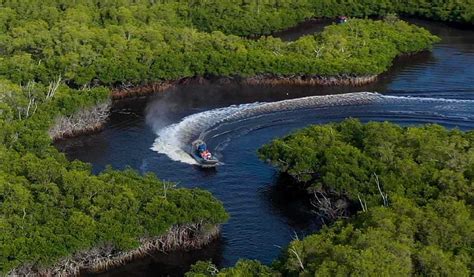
x=396 y=200
x=400 y=199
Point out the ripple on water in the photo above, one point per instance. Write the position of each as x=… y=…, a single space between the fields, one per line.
x=173 y=140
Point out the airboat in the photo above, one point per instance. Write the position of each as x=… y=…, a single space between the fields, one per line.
x=202 y=155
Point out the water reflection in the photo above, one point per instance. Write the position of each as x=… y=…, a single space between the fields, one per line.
x=168 y=264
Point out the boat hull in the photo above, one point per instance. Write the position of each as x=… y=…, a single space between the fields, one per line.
x=203 y=162
x=212 y=162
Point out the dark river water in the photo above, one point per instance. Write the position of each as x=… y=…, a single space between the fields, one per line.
x=150 y=134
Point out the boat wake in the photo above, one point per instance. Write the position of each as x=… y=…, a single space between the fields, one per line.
x=174 y=140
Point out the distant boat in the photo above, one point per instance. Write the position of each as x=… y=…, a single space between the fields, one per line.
x=202 y=155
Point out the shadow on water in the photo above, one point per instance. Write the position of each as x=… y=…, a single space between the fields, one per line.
x=281 y=196
x=287 y=199
x=206 y=172
x=168 y=264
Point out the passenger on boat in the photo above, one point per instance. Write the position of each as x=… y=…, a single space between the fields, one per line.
x=206 y=154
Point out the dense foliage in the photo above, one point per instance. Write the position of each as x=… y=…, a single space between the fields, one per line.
x=88 y=44
x=403 y=239
x=51 y=208
x=241 y=268
x=264 y=17
x=426 y=226
x=249 y=17
x=420 y=163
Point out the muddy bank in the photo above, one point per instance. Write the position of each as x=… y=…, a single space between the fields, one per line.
x=131 y=91
x=85 y=121
x=99 y=259
x=265 y=80
x=342 y=80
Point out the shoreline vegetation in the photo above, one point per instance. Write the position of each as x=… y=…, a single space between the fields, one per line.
x=93 y=119
x=100 y=259
x=83 y=122
x=131 y=91
x=342 y=80
x=332 y=52
x=411 y=188
x=52 y=208
x=362 y=48
x=60 y=58
x=164 y=54
x=265 y=18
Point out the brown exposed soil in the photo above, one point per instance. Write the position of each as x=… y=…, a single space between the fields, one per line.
x=265 y=79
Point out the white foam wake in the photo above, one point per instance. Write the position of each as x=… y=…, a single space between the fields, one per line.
x=427 y=99
x=174 y=139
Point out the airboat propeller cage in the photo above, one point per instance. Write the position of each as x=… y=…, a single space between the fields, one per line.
x=200 y=145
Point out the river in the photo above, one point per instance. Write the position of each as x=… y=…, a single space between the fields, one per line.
x=149 y=134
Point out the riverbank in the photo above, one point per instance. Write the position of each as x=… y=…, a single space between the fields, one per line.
x=99 y=259
x=85 y=121
x=350 y=54
x=340 y=80
x=127 y=92
x=93 y=119
x=357 y=161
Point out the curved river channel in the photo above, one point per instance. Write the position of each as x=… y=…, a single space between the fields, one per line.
x=150 y=134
